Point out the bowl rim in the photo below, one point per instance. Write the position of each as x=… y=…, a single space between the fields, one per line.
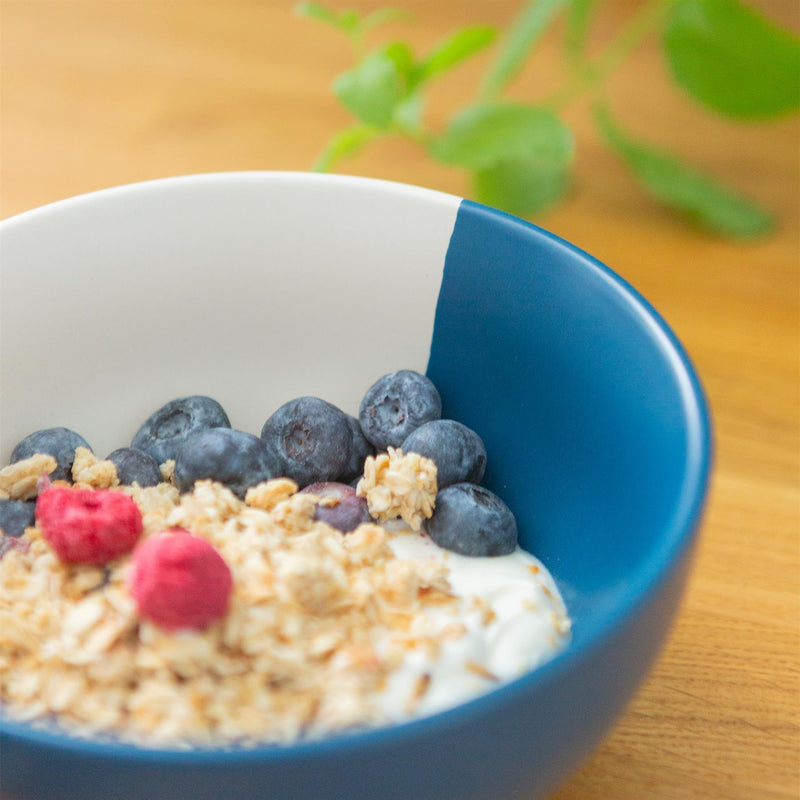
x=676 y=541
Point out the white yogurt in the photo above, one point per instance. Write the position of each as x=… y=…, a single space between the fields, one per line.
x=529 y=626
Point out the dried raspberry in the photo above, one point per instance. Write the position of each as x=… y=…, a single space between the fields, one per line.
x=179 y=581
x=88 y=526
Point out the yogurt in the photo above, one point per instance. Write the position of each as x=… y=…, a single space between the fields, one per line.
x=515 y=620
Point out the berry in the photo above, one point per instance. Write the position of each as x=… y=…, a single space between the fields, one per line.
x=135 y=466
x=312 y=438
x=179 y=581
x=15 y=516
x=361 y=448
x=347 y=513
x=458 y=451
x=471 y=520
x=164 y=430
x=60 y=443
x=397 y=404
x=88 y=526
x=235 y=458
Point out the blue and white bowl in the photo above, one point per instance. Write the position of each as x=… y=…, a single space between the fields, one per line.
x=258 y=287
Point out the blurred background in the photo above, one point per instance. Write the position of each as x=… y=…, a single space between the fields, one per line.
x=96 y=93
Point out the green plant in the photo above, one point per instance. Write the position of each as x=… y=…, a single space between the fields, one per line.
x=725 y=54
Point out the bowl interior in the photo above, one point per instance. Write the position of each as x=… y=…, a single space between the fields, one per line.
x=256 y=288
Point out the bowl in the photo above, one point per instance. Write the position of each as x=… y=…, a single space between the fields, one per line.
x=258 y=287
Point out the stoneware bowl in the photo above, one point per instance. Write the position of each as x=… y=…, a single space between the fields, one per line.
x=258 y=287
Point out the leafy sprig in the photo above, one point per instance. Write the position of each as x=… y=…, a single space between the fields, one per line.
x=724 y=54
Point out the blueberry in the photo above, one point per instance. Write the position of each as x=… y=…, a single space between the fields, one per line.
x=15 y=516
x=135 y=466
x=235 y=458
x=60 y=443
x=164 y=430
x=347 y=514
x=312 y=438
x=458 y=451
x=361 y=448
x=471 y=520
x=397 y=404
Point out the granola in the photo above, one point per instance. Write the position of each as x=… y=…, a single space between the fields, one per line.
x=398 y=485
x=325 y=631
x=318 y=621
x=89 y=470
x=18 y=481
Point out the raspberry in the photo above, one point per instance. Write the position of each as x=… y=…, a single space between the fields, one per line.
x=179 y=581
x=88 y=526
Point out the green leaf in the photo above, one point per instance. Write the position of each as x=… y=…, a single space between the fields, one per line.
x=345 y=143
x=456 y=48
x=523 y=35
x=579 y=16
x=521 y=187
x=408 y=113
x=486 y=134
x=684 y=189
x=732 y=58
x=402 y=56
x=371 y=90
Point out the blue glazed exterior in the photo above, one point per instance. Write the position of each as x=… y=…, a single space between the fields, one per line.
x=599 y=439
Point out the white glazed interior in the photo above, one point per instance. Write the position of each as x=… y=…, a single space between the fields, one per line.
x=252 y=288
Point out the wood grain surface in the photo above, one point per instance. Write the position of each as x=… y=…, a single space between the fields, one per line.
x=95 y=93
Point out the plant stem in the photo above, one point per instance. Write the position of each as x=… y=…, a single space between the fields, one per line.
x=418 y=135
x=357 y=44
x=643 y=23
x=345 y=143
x=520 y=39
x=324 y=162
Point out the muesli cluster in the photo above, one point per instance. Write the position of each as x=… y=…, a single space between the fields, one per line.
x=209 y=587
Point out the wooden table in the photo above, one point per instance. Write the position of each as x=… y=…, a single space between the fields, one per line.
x=102 y=92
